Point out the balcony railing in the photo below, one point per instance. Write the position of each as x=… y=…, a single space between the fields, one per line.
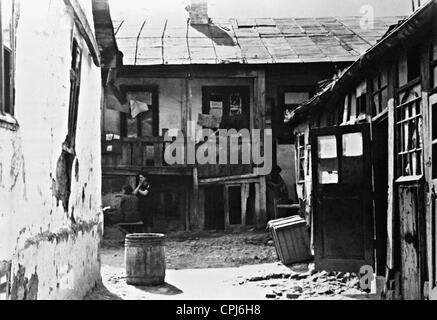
x=147 y=154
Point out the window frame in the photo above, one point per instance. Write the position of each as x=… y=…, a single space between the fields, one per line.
x=378 y=91
x=403 y=150
x=75 y=83
x=125 y=89
x=7 y=112
x=226 y=92
x=284 y=132
x=300 y=157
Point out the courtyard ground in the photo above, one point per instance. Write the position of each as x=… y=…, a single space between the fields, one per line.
x=218 y=265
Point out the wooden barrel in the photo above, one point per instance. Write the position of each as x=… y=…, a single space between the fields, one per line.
x=145 y=259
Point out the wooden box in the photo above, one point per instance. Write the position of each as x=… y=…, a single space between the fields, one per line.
x=291 y=238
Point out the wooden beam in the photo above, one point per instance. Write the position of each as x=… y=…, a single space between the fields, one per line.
x=259 y=108
x=133 y=170
x=243 y=178
x=427 y=157
x=391 y=185
x=85 y=30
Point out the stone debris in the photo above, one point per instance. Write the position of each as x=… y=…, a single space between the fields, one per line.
x=298 y=285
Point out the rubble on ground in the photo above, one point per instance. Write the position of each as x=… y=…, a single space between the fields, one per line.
x=305 y=285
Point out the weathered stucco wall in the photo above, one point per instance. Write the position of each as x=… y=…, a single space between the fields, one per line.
x=54 y=253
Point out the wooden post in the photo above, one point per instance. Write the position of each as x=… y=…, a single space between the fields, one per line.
x=391 y=185
x=226 y=203
x=195 y=198
x=259 y=108
x=245 y=187
x=263 y=202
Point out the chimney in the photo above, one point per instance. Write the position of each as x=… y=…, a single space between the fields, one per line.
x=198 y=10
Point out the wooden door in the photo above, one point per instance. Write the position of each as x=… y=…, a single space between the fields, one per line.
x=343 y=214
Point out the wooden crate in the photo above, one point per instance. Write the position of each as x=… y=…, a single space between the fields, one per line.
x=291 y=239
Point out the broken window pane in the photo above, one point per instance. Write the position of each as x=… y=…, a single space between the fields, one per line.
x=353 y=144
x=216 y=105
x=328 y=171
x=131 y=127
x=236 y=104
x=327 y=146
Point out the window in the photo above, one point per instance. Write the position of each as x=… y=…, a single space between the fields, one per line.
x=76 y=65
x=362 y=105
x=7 y=57
x=327 y=159
x=434 y=64
x=350 y=108
x=409 y=138
x=300 y=156
x=143 y=119
x=229 y=105
x=292 y=97
x=409 y=66
x=379 y=93
x=413 y=63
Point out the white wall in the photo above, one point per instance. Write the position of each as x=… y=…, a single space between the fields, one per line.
x=57 y=254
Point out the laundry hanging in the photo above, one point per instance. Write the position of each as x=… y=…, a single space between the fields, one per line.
x=137 y=107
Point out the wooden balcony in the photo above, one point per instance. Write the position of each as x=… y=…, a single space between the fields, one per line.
x=130 y=156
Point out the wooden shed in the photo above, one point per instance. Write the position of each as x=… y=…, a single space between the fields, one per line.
x=246 y=71
x=367 y=141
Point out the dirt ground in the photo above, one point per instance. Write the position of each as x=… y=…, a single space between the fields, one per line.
x=218 y=265
x=201 y=250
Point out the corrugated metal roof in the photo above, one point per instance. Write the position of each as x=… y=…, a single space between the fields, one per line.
x=247 y=41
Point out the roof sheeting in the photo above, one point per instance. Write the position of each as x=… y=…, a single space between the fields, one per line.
x=405 y=30
x=247 y=41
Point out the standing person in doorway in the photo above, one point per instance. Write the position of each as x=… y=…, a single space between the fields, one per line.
x=142 y=191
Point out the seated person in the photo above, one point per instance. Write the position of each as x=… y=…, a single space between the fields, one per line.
x=129 y=206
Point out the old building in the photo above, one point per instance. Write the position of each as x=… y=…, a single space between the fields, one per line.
x=189 y=72
x=366 y=144
x=50 y=186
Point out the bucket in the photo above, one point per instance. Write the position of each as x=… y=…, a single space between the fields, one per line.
x=145 y=259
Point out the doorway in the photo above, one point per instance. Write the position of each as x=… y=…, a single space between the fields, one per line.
x=214 y=208
x=342 y=185
x=380 y=188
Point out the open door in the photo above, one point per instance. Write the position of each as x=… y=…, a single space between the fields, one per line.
x=342 y=183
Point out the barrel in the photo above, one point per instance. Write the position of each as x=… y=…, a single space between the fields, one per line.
x=145 y=259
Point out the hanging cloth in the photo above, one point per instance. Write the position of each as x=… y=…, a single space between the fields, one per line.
x=137 y=107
